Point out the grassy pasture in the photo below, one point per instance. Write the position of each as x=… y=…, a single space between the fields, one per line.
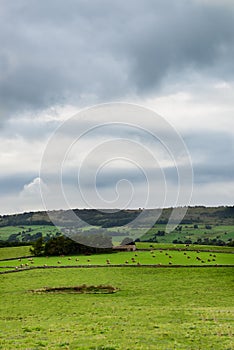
x=154 y=309
x=14 y=252
x=222 y=232
x=164 y=257
x=158 y=246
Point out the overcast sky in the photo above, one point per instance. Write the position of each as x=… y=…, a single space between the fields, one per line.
x=175 y=57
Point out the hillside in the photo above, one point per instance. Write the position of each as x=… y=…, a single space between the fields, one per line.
x=198 y=214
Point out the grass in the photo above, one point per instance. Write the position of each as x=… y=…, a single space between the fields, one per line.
x=14 y=252
x=154 y=309
x=222 y=232
x=158 y=246
x=218 y=232
x=164 y=257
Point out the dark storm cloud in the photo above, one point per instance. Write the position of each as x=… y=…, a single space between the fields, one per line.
x=56 y=52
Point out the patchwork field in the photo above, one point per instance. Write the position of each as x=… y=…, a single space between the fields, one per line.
x=185 y=233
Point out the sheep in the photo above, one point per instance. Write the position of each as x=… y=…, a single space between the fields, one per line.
x=170 y=263
x=136 y=254
x=188 y=257
x=170 y=257
x=77 y=259
x=69 y=258
x=88 y=260
x=153 y=256
x=185 y=253
x=59 y=262
x=126 y=262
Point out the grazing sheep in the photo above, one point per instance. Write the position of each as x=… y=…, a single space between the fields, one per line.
x=211 y=254
x=166 y=253
x=170 y=257
x=45 y=265
x=16 y=268
x=153 y=256
x=185 y=253
x=77 y=259
x=58 y=262
x=208 y=260
x=88 y=260
x=198 y=258
x=170 y=263
x=108 y=262
x=69 y=258
x=19 y=259
x=203 y=261
x=160 y=251
x=136 y=254
x=126 y=262
x=139 y=264
x=188 y=257
x=32 y=262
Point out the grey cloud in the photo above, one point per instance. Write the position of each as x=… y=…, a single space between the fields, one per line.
x=212 y=155
x=13 y=184
x=56 y=52
x=28 y=129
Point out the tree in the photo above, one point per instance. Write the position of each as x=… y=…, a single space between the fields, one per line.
x=38 y=247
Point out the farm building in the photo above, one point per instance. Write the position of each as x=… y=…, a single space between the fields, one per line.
x=125 y=248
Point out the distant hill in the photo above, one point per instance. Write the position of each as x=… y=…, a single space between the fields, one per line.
x=223 y=215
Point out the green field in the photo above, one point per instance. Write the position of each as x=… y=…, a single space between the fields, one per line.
x=217 y=233
x=14 y=252
x=154 y=309
x=130 y=258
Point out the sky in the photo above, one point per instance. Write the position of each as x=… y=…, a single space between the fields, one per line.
x=58 y=58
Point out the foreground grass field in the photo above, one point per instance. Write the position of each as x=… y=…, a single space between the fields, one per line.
x=154 y=309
